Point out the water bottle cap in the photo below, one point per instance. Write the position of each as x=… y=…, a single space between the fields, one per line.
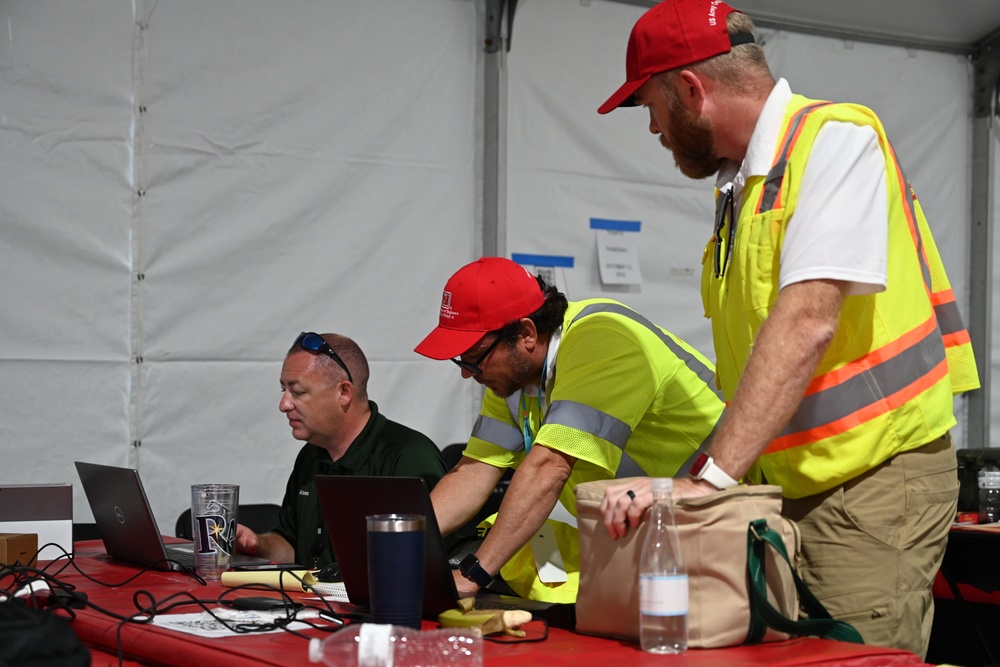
x=662 y=485
x=315 y=650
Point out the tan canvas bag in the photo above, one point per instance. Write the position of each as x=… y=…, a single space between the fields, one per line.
x=713 y=533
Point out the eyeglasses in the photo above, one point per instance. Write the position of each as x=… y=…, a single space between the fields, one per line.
x=724 y=219
x=313 y=342
x=473 y=366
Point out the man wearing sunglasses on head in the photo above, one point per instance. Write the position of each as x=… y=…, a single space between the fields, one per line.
x=324 y=385
x=577 y=391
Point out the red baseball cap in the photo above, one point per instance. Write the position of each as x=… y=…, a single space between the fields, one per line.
x=672 y=34
x=480 y=297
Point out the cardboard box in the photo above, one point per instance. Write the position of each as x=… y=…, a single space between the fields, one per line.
x=43 y=509
x=18 y=548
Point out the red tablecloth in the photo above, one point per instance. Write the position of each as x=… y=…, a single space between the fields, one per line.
x=147 y=644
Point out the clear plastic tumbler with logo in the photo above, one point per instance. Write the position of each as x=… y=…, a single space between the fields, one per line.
x=214 y=515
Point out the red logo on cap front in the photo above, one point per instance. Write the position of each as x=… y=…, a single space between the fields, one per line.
x=446 y=312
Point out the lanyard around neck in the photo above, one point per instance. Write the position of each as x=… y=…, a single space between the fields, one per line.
x=525 y=417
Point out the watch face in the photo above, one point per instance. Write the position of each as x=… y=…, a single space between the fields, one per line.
x=469 y=561
x=699 y=464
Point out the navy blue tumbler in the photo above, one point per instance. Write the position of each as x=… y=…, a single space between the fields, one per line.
x=396 y=568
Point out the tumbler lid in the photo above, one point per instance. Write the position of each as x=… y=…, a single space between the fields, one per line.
x=396 y=523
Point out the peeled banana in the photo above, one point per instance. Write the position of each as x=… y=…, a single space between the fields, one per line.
x=486 y=621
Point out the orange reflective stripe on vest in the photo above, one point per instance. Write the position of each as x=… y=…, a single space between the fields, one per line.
x=840 y=400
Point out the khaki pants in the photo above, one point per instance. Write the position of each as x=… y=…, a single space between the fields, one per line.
x=872 y=547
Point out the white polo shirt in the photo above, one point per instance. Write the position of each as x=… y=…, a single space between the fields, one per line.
x=840 y=228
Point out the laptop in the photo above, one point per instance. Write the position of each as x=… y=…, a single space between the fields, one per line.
x=347 y=501
x=126 y=524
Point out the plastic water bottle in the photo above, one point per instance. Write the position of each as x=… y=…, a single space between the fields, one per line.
x=989 y=494
x=378 y=645
x=663 y=581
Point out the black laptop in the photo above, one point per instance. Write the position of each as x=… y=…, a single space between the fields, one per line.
x=347 y=501
x=126 y=524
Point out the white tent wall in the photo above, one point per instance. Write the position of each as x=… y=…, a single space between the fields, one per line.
x=308 y=165
x=187 y=186
x=567 y=164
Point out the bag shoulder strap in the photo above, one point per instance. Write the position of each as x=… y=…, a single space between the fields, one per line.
x=764 y=615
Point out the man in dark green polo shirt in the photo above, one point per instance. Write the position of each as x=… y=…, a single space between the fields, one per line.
x=324 y=381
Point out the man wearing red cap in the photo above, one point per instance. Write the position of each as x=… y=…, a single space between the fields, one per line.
x=578 y=391
x=838 y=341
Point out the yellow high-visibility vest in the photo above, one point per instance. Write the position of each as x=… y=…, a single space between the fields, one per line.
x=886 y=382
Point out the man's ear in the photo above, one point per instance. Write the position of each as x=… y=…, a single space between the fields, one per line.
x=692 y=89
x=529 y=334
x=346 y=390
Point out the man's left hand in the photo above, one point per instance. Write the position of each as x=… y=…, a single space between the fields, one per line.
x=466 y=587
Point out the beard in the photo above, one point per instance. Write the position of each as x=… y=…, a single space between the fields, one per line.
x=518 y=372
x=690 y=141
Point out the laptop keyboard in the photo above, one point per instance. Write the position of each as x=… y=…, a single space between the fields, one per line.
x=183 y=556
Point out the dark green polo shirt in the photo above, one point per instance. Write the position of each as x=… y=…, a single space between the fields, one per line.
x=383 y=448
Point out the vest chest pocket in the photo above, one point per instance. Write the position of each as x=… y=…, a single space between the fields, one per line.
x=759 y=252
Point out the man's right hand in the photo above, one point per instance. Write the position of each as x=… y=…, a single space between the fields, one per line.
x=246 y=540
x=622 y=511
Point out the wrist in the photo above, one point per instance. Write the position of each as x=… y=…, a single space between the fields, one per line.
x=705 y=470
x=471 y=569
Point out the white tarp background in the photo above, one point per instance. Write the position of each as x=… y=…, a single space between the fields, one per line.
x=302 y=165
x=313 y=165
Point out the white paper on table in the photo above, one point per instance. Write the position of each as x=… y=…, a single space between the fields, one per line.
x=618 y=257
x=334 y=591
x=203 y=625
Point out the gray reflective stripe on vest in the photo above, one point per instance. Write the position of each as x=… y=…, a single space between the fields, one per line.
x=776 y=176
x=685 y=469
x=589 y=420
x=908 y=203
x=704 y=373
x=949 y=318
x=627 y=467
x=498 y=433
x=869 y=387
x=772 y=185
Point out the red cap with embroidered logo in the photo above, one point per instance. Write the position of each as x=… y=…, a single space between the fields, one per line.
x=481 y=297
x=672 y=34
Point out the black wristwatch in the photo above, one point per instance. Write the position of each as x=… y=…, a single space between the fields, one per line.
x=473 y=571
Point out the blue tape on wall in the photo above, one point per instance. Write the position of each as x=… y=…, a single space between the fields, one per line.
x=542 y=260
x=616 y=225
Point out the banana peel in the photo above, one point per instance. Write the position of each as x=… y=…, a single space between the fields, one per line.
x=485 y=621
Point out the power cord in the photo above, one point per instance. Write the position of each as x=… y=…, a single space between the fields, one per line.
x=42 y=589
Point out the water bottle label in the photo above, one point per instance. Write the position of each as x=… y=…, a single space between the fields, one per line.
x=375 y=645
x=663 y=595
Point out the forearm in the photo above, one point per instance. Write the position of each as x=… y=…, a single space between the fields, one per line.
x=459 y=494
x=787 y=351
x=274 y=547
x=533 y=492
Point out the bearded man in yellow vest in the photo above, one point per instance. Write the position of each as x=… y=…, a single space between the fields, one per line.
x=838 y=341
x=578 y=391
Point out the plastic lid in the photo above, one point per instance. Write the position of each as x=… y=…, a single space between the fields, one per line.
x=315 y=650
x=662 y=485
